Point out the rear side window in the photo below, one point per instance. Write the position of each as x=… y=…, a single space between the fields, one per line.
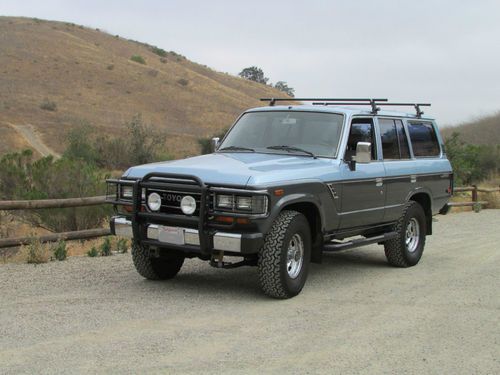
x=423 y=139
x=394 y=141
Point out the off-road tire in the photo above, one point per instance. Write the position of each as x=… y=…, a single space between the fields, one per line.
x=272 y=264
x=396 y=250
x=163 y=268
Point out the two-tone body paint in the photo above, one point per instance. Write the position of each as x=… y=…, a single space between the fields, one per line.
x=373 y=193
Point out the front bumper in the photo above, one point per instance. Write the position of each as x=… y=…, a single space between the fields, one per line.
x=244 y=243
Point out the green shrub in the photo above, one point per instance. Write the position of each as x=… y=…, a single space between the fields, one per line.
x=60 y=252
x=21 y=177
x=92 y=252
x=141 y=144
x=471 y=163
x=138 y=59
x=159 y=51
x=183 y=82
x=105 y=249
x=48 y=105
x=110 y=67
x=122 y=245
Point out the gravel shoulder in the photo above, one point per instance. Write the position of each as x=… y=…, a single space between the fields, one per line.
x=355 y=315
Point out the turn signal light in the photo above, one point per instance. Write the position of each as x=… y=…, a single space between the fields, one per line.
x=224 y=219
x=279 y=192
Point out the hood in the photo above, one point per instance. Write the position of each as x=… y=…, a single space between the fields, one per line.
x=240 y=168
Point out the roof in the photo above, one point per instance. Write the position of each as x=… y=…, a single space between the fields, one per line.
x=347 y=111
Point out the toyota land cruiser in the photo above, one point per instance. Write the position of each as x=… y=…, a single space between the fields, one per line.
x=286 y=184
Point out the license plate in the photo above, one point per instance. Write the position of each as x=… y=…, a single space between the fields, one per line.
x=171 y=235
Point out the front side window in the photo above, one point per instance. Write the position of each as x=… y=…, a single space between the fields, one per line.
x=423 y=139
x=361 y=131
x=314 y=132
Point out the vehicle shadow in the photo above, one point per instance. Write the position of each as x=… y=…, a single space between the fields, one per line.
x=199 y=279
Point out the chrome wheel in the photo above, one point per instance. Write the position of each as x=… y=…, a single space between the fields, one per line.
x=412 y=235
x=295 y=256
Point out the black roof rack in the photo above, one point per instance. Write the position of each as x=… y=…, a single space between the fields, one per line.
x=374 y=103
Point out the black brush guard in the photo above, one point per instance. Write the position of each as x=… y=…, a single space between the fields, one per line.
x=174 y=181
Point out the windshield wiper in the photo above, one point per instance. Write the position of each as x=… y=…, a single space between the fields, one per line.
x=292 y=149
x=236 y=148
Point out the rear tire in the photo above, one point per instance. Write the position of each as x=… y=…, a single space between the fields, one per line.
x=284 y=258
x=407 y=249
x=163 y=268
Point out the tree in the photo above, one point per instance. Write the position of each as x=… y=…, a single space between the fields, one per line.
x=255 y=74
x=283 y=86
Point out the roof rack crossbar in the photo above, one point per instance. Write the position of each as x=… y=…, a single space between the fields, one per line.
x=272 y=101
x=375 y=109
x=374 y=103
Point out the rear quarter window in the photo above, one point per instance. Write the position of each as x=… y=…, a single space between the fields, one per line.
x=423 y=139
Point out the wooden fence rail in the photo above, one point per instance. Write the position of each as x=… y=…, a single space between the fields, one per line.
x=477 y=204
x=54 y=203
x=65 y=236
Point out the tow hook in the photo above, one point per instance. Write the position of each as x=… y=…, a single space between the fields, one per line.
x=217 y=261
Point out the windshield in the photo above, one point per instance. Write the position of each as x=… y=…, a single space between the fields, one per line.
x=310 y=132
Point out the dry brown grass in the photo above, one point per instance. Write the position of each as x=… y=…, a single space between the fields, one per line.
x=483 y=131
x=10 y=227
x=69 y=65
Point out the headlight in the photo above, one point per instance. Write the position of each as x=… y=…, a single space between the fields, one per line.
x=244 y=203
x=154 y=201
x=255 y=204
x=225 y=201
x=188 y=205
x=127 y=191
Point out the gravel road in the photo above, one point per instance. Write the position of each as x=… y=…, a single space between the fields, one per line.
x=355 y=315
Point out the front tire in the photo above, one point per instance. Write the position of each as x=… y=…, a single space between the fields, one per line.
x=284 y=258
x=407 y=249
x=163 y=268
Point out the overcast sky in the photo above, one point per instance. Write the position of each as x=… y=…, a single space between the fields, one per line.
x=443 y=51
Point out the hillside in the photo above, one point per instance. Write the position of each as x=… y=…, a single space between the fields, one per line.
x=484 y=131
x=90 y=77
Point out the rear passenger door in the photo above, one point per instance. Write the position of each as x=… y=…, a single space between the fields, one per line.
x=399 y=168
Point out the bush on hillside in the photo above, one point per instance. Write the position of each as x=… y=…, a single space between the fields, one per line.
x=158 y=51
x=141 y=144
x=471 y=163
x=48 y=105
x=138 y=59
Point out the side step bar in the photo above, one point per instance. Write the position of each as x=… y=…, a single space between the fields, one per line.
x=337 y=246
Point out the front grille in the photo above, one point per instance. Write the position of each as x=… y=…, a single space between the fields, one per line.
x=171 y=201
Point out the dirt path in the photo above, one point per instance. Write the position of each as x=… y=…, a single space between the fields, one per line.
x=33 y=138
x=355 y=315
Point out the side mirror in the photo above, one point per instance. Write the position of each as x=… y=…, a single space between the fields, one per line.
x=215 y=143
x=363 y=155
x=363 y=152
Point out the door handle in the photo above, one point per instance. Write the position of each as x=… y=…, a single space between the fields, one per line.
x=378 y=182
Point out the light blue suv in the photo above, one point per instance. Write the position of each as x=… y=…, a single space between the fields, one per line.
x=286 y=184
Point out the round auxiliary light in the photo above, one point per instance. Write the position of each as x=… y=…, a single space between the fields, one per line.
x=154 y=201
x=188 y=205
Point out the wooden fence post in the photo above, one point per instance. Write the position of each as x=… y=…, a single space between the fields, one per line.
x=474 y=193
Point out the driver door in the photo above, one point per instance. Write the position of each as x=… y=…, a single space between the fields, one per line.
x=363 y=190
